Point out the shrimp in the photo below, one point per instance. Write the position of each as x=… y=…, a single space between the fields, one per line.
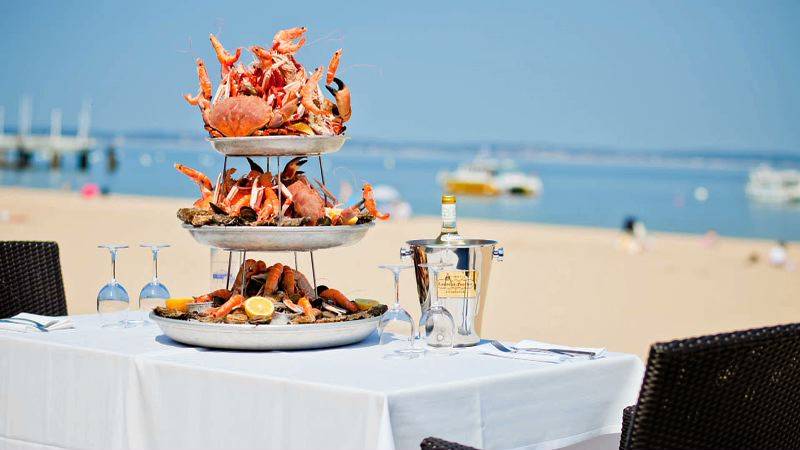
x=198 y=177
x=205 y=85
x=263 y=55
x=369 y=202
x=224 y=294
x=332 y=66
x=226 y=308
x=308 y=90
x=308 y=310
x=283 y=41
x=225 y=58
x=339 y=299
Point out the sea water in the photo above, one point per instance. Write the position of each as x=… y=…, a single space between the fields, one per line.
x=591 y=187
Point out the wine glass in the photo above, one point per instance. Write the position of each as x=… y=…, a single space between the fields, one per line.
x=396 y=324
x=436 y=326
x=113 y=297
x=153 y=293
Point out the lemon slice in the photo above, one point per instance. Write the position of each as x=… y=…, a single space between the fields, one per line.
x=365 y=303
x=179 y=303
x=258 y=307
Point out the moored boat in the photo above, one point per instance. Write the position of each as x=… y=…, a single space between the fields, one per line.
x=769 y=185
x=490 y=177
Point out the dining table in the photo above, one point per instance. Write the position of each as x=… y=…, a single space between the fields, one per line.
x=95 y=387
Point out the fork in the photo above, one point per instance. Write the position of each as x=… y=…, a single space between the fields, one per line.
x=571 y=353
x=33 y=323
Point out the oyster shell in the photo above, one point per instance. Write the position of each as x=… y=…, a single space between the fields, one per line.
x=162 y=311
x=236 y=318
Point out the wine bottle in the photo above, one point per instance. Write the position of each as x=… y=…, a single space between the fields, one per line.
x=449 y=233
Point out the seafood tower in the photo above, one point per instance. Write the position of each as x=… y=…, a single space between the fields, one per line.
x=274 y=113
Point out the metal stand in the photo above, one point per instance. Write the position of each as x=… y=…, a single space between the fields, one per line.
x=243 y=253
x=322 y=175
x=313 y=272
x=228 y=277
x=244 y=266
x=280 y=193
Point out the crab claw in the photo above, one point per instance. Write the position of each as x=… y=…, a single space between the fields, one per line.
x=339 y=86
x=254 y=166
x=342 y=95
x=292 y=169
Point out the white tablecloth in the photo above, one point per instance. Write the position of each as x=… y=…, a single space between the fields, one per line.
x=103 y=388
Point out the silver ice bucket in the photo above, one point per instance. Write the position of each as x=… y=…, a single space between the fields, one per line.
x=462 y=288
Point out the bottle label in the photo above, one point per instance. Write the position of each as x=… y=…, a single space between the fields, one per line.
x=448 y=215
x=458 y=284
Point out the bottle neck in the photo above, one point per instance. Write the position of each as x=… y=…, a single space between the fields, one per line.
x=448 y=217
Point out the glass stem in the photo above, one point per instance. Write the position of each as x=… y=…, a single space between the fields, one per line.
x=435 y=289
x=155 y=265
x=113 y=265
x=397 y=289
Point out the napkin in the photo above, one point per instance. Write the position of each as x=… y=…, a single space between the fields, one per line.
x=599 y=352
x=489 y=349
x=51 y=323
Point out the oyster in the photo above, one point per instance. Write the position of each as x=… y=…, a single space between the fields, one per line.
x=236 y=318
x=171 y=313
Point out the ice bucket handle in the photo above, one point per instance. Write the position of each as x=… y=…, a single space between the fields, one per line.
x=406 y=253
x=498 y=254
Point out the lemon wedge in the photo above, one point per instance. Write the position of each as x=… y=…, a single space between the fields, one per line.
x=365 y=303
x=179 y=303
x=258 y=307
x=303 y=128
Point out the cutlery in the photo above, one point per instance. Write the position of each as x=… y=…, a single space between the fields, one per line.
x=20 y=321
x=561 y=351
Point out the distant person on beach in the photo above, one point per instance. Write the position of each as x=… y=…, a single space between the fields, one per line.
x=710 y=238
x=634 y=235
x=778 y=256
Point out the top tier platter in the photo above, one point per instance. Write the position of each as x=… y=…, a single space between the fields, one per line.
x=278 y=145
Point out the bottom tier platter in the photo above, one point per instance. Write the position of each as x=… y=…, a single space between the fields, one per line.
x=266 y=337
x=273 y=239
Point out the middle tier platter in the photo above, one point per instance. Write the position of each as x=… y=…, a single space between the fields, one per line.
x=278 y=145
x=276 y=239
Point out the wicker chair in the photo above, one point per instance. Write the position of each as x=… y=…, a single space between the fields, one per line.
x=30 y=279
x=432 y=443
x=732 y=390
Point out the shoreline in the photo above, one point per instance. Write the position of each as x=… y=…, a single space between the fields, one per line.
x=562 y=284
x=574 y=227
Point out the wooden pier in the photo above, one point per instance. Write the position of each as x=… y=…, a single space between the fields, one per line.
x=23 y=144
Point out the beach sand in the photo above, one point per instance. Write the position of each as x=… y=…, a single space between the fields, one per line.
x=560 y=284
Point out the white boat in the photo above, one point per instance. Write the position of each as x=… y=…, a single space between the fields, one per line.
x=768 y=185
x=489 y=176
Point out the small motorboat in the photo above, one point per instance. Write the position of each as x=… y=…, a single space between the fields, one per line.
x=768 y=185
x=489 y=177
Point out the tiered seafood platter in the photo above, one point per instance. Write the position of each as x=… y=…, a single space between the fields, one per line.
x=270 y=109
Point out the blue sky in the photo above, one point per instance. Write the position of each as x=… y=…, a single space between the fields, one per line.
x=624 y=74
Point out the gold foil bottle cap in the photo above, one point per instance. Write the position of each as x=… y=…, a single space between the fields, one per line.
x=448 y=199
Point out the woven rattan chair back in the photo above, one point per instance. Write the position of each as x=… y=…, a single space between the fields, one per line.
x=30 y=279
x=732 y=390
